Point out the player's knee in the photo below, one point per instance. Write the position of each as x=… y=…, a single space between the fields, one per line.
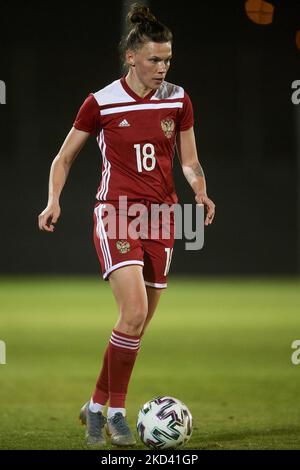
x=135 y=316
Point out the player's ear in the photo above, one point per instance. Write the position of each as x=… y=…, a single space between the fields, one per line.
x=130 y=58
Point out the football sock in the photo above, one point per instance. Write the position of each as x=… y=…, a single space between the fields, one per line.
x=122 y=353
x=95 y=407
x=101 y=395
x=112 y=411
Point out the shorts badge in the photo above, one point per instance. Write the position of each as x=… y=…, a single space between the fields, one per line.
x=123 y=246
x=168 y=126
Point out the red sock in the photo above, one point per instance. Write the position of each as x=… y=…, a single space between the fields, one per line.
x=101 y=393
x=122 y=352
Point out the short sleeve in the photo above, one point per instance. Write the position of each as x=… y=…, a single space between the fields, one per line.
x=88 y=117
x=186 y=116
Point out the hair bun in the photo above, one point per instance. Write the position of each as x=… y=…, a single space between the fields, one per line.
x=140 y=14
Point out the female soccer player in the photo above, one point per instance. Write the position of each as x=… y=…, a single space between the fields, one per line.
x=137 y=121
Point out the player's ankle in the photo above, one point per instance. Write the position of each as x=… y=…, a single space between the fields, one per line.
x=112 y=411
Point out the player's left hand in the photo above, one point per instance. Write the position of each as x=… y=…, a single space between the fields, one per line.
x=209 y=206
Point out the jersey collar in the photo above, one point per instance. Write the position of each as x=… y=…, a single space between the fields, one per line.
x=133 y=95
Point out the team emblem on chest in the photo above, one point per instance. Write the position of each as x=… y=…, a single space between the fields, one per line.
x=123 y=246
x=168 y=126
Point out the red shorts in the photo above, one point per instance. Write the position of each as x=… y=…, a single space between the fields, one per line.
x=135 y=236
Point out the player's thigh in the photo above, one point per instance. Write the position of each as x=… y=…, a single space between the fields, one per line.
x=127 y=284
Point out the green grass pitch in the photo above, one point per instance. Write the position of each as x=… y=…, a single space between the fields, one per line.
x=221 y=346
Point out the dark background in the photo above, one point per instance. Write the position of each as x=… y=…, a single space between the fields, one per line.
x=239 y=77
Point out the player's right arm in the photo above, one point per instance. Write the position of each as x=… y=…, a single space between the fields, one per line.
x=59 y=171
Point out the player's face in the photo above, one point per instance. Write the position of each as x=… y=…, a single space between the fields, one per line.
x=151 y=63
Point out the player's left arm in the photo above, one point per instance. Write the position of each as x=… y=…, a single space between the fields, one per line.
x=193 y=172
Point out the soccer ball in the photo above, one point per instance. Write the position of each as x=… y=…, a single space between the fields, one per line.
x=164 y=423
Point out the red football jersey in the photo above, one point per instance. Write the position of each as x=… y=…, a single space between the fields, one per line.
x=136 y=137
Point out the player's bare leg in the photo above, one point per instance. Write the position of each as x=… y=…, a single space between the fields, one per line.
x=153 y=296
x=129 y=290
x=130 y=293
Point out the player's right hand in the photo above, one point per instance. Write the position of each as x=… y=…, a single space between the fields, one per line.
x=48 y=218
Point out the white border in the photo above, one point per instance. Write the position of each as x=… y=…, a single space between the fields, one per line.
x=124 y=263
x=140 y=107
x=155 y=284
